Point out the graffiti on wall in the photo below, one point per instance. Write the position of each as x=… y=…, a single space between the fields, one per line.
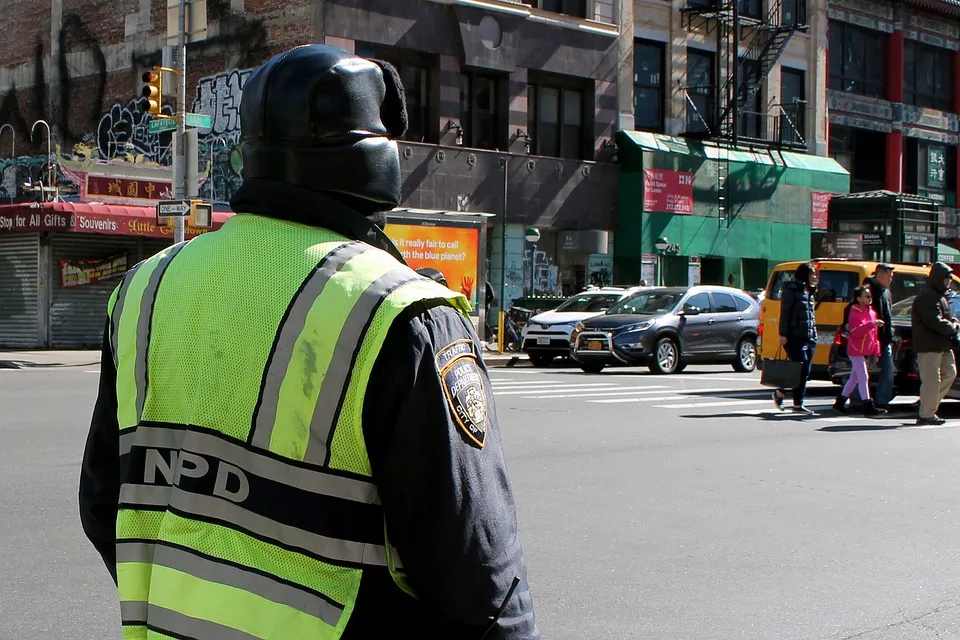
x=218 y=96
x=123 y=130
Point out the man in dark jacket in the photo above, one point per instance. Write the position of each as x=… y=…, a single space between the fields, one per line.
x=798 y=330
x=880 y=290
x=933 y=331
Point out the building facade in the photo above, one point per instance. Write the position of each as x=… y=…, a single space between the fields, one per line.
x=728 y=123
x=894 y=99
x=513 y=111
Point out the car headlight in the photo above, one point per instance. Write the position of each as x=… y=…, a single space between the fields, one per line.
x=577 y=330
x=633 y=328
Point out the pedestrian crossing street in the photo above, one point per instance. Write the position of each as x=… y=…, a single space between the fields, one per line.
x=726 y=395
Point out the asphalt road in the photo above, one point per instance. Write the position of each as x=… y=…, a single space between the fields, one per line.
x=681 y=507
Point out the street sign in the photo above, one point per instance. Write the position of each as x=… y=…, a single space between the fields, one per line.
x=159 y=125
x=198 y=120
x=171 y=208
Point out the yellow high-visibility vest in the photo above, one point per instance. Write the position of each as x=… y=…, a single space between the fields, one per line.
x=247 y=506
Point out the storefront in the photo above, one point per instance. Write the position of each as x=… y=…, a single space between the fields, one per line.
x=59 y=263
x=695 y=213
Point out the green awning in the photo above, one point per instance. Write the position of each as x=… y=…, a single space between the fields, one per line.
x=946 y=253
x=670 y=144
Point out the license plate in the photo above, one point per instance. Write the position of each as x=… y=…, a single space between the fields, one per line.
x=825 y=338
x=594 y=345
x=545 y=341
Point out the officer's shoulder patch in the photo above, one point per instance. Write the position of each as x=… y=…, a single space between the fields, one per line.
x=463 y=385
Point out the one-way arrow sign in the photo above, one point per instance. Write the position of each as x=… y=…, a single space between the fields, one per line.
x=171 y=208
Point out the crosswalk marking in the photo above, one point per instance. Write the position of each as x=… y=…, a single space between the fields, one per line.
x=654 y=389
x=517 y=392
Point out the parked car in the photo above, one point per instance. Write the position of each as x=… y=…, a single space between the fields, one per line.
x=906 y=380
x=907 y=377
x=667 y=328
x=547 y=335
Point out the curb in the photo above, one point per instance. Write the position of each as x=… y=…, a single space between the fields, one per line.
x=25 y=364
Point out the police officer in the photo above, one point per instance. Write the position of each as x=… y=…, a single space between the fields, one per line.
x=295 y=435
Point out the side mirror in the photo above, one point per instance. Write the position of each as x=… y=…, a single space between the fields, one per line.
x=690 y=311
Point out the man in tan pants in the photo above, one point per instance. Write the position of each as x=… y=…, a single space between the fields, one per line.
x=933 y=331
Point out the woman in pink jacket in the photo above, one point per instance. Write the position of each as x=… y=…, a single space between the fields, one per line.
x=862 y=343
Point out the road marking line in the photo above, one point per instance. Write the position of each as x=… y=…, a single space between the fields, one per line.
x=511 y=383
x=697 y=405
x=517 y=392
x=92 y=371
x=589 y=393
x=629 y=391
x=615 y=400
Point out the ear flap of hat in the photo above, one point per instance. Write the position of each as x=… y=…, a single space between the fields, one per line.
x=393 y=111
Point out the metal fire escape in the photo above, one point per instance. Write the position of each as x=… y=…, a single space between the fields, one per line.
x=747 y=50
x=748 y=47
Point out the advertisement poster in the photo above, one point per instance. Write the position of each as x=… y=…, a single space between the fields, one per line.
x=452 y=251
x=820 y=208
x=667 y=191
x=648 y=269
x=693 y=272
x=600 y=270
x=75 y=273
x=837 y=245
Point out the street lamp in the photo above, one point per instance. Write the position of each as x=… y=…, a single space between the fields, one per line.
x=661 y=245
x=532 y=235
x=50 y=169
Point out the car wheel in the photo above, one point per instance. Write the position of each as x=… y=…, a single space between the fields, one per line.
x=666 y=357
x=540 y=360
x=591 y=367
x=746 y=356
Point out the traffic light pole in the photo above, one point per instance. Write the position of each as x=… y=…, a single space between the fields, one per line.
x=179 y=160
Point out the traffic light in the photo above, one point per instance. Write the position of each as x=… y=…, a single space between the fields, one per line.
x=153 y=90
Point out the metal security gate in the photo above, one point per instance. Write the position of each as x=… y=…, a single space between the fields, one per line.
x=19 y=275
x=78 y=314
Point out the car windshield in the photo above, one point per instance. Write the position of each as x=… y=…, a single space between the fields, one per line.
x=901 y=310
x=647 y=303
x=589 y=303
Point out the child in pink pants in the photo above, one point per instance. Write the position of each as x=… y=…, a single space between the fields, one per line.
x=862 y=343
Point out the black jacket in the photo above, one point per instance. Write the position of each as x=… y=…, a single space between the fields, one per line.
x=930 y=316
x=883 y=306
x=449 y=505
x=797 y=320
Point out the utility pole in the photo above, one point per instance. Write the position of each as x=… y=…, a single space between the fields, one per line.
x=180 y=138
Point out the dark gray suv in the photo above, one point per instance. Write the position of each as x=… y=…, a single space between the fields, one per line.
x=667 y=328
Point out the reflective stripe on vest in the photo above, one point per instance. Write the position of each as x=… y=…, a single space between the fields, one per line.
x=262 y=533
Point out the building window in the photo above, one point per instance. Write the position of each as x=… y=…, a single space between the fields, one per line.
x=793 y=102
x=750 y=121
x=751 y=9
x=575 y=8
x=555 y=118
x=415 y=70
x=700 y=78
x=927 y=76
x=648 y=86
x=857 y=60
x=480 y=113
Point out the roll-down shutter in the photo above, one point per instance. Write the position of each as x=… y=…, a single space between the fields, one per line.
x=78 y=314
x=19 y=274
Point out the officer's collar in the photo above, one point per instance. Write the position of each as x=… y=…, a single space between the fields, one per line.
x=296 y=204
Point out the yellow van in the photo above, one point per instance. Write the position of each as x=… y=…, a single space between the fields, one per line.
x=838 y=279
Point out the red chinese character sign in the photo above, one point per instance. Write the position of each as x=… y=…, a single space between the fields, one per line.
x=667 y=191
x=820 y=208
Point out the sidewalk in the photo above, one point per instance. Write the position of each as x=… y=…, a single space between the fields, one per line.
x=32 y=359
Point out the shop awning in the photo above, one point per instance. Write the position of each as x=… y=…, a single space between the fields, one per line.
x=946 y=253
x=643 y=140
x=83 y=217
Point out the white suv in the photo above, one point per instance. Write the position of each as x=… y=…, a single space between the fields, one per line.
x=547 y=334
